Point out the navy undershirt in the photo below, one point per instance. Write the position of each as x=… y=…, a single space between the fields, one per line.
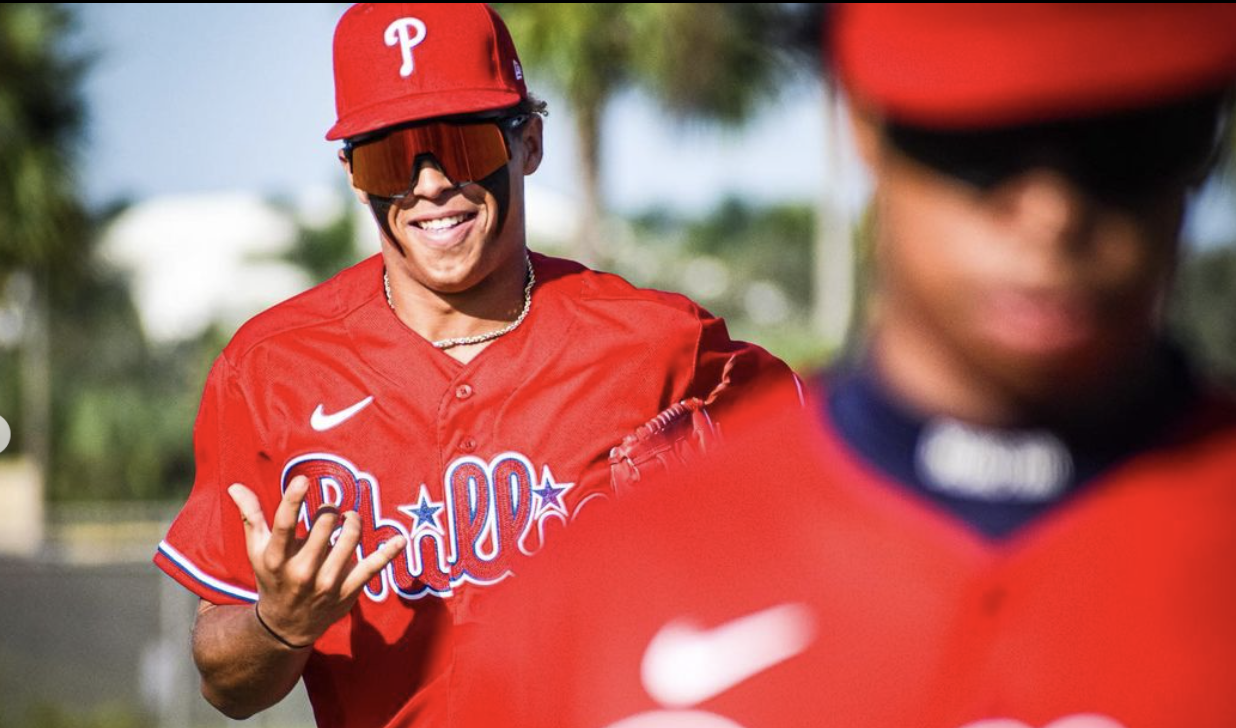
x=886 y=433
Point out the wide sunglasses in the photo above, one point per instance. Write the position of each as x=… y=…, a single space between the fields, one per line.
x=466 y=151
x=1121 y=159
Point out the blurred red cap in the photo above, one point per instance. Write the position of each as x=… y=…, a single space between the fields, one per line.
x=975 y=65
x=401 y=62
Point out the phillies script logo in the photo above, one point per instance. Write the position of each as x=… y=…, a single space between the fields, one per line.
x=489 y=512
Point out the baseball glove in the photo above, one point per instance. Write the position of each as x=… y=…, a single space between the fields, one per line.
x=673 y=438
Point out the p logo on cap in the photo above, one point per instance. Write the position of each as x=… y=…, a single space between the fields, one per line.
x=403 y=62
x=407 y=33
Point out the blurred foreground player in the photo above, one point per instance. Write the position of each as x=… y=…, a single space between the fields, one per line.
x=1018 y=509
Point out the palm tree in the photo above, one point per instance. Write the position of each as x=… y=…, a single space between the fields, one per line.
x=40 y=124
x=712 y=61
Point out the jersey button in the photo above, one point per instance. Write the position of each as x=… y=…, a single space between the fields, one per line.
x=463 y=391
x=468 y=444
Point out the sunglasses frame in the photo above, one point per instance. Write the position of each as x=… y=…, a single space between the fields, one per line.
x=1121 y=158
x=505 y=123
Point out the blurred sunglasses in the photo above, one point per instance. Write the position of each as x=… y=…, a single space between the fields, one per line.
x=1122 y=159
x=466 y=151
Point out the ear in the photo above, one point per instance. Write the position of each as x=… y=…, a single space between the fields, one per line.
x=530 y=142
x=347 y=168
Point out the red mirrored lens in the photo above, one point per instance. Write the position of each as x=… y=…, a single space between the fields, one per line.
x=465 y=153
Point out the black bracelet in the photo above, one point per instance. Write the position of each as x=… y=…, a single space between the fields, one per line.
x=257 y=613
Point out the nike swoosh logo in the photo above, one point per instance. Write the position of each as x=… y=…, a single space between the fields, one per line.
x=322 y=422
x=685 y=665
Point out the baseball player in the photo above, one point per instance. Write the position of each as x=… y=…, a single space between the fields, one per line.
x=1016 y=509
x=375 y=454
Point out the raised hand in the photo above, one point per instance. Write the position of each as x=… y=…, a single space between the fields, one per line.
x=305 y=585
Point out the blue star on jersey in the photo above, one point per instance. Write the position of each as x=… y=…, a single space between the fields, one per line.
x=425 y=513
x=487 y=512
x=550 y=493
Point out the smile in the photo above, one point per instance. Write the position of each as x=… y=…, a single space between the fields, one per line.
x=443 y=223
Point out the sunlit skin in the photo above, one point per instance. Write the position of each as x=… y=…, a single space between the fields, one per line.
x=469 y=278
x=1029 y=303
x=304 y=585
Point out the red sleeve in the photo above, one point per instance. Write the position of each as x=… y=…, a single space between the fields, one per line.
x=204 y=549
x=726 y=369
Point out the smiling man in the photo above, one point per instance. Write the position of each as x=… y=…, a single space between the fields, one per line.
x=376 y=453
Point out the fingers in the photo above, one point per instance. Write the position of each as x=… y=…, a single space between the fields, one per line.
x=340 y=558
x=256 y=531
x=316 y=560
x=371 y=565
x=283 y=530
x=317 y=546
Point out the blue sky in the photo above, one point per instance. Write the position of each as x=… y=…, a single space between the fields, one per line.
x=198 y=97
x=211 y=97
x=195 y=108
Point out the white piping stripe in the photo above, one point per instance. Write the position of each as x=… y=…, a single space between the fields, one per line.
x=188 y=566
x=798 y=384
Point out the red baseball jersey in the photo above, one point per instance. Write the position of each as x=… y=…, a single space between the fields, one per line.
x=786 y=583
x=473 y=463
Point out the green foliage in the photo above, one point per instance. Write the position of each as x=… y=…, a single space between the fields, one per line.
x=41 y=114
x=754 y=243
x=582 y=49
x=121 y=412
x=130 y=436
x=10 y=402
x=715 y=61
x=1202 y=313
x=112 y=415
x=706 y=60
x=322 y=251
x=750 y=265
x=702 y=61
x=47 y=715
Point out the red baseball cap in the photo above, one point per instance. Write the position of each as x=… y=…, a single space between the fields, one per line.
x=957 y=65
x=401 y=62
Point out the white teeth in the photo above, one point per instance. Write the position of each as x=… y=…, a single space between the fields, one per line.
x=441 y=223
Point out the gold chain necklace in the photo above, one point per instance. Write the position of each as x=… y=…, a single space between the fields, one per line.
x=478 y=338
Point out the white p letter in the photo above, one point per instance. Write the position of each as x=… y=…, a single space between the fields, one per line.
x=398 y=33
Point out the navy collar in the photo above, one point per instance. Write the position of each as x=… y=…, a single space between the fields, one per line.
x=998 y=480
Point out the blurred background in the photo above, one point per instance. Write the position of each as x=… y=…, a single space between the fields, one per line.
x=163 y=176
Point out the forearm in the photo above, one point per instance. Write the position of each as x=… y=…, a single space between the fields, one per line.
x=305 y=587
x=244 y=669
